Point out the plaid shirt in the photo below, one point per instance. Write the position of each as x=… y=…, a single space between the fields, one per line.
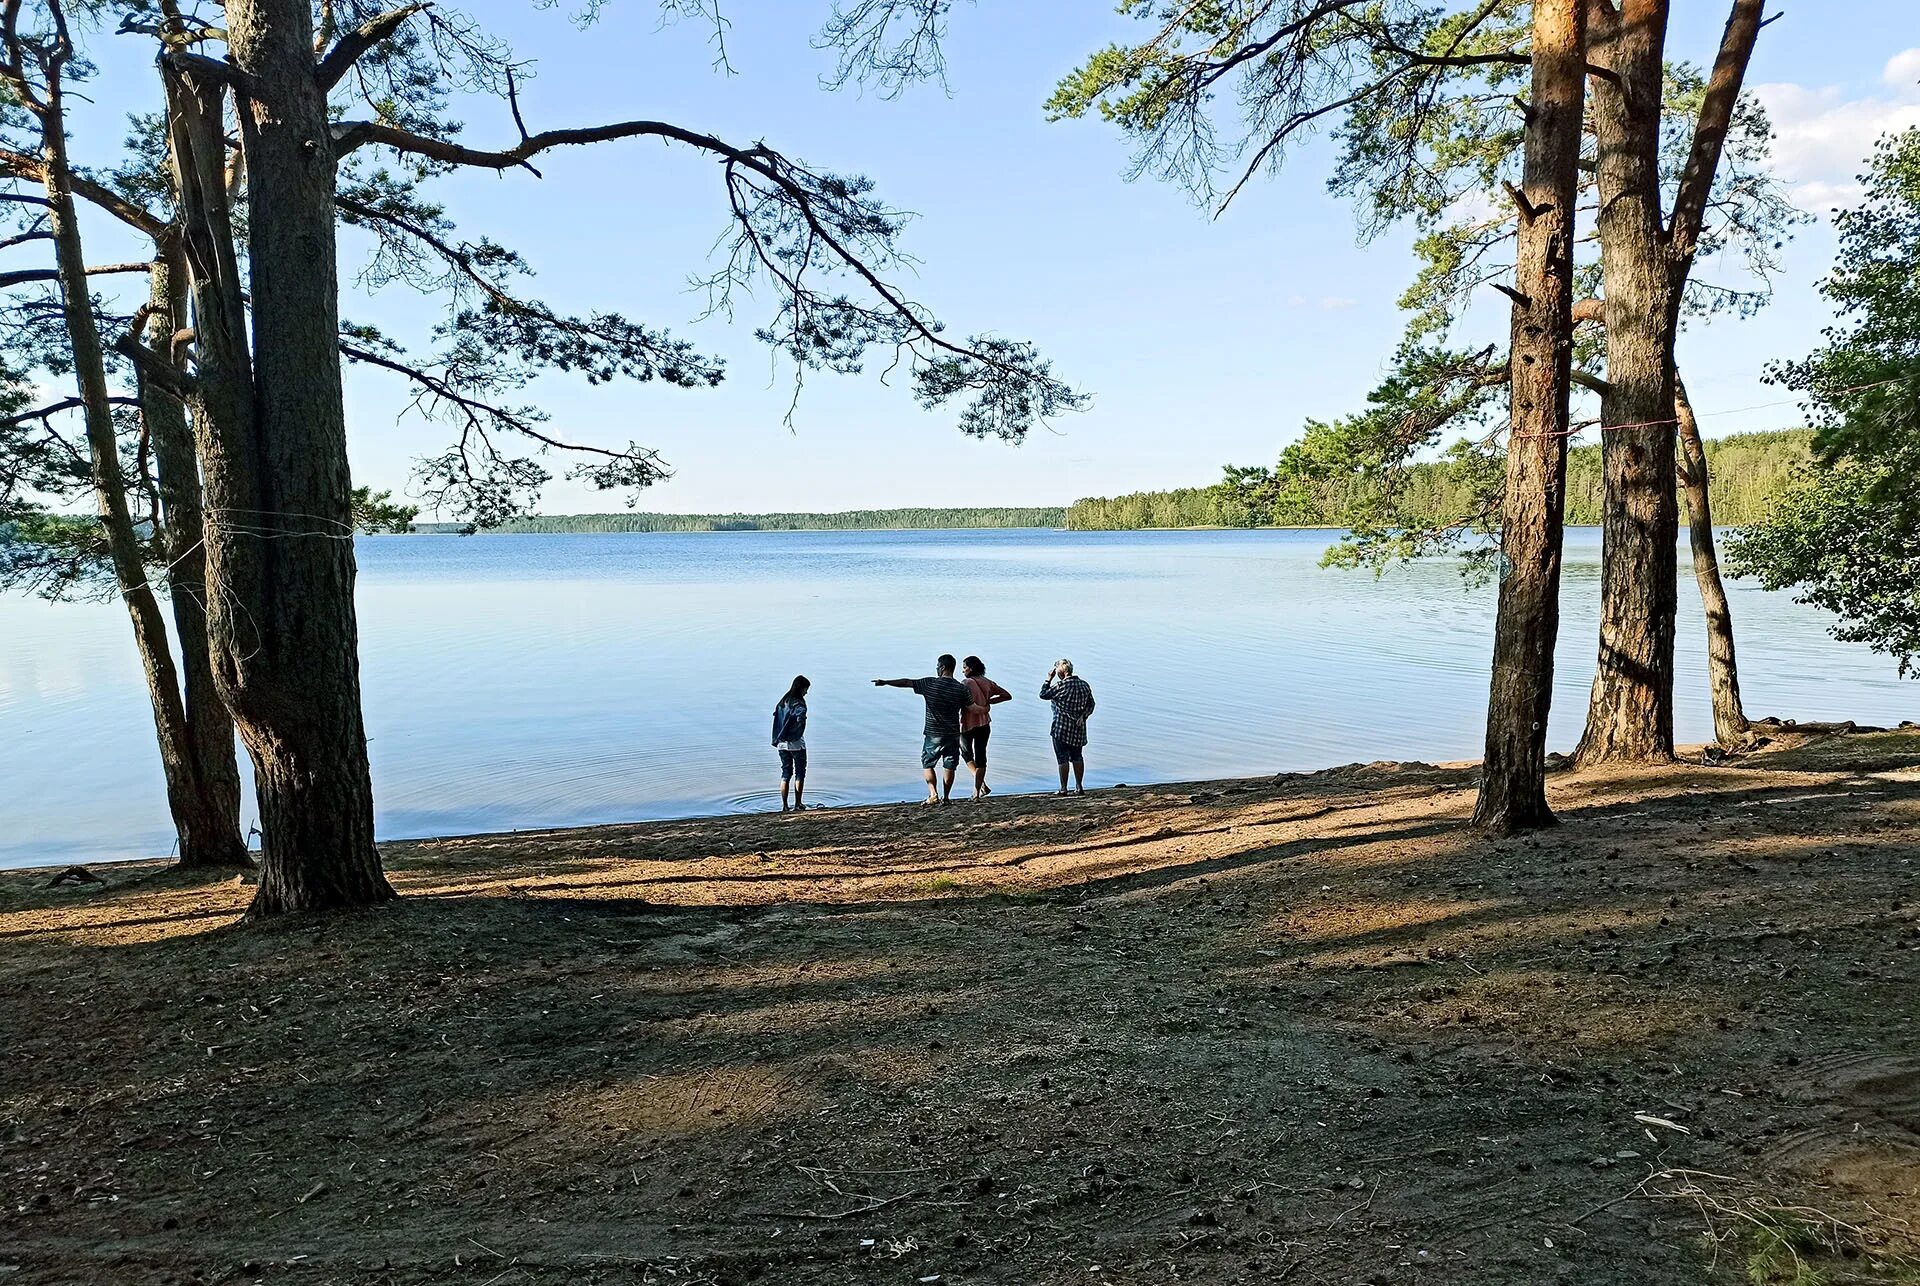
x=1072 y=703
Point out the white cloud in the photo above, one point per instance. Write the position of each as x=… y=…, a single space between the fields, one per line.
x=1823 y=137
x=1903 y=70
x=1336 y=303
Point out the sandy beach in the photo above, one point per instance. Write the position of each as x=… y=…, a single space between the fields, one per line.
x=1301 y=1028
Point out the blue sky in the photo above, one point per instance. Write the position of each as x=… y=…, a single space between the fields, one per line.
x=1201 y=341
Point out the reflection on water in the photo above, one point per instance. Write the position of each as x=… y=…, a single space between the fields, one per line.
x=524 y=681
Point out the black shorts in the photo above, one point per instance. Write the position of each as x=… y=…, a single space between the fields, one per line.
x=1066 y=754
x=973 y=744
x=793 y=763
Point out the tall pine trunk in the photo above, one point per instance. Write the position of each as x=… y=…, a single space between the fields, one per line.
x=1630 y=715
x=271 y=429
x=1513 y=790
x=1645 y=266
x=214 y=838
x=1723 y=671
x=197 y=820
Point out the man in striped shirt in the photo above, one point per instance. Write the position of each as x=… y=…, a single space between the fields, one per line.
x=947 y=698
x=1072 y=702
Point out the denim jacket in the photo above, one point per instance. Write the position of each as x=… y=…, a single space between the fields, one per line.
x=789 y=721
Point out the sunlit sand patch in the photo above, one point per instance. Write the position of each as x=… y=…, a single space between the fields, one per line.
x=681 y=1104
x=1349 y=920
x=1477 y=932
x=128 y=920
x=676 y=1105
x=803 y=1016
x=1577 y=1009
x=1871 y=1139
x=756 y=977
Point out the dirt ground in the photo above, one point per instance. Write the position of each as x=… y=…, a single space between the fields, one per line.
x=1300 y=1029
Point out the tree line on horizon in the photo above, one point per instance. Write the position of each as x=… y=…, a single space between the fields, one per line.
x=911 y=519
x=1748 y=473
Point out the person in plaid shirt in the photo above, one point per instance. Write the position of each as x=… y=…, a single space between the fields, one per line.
x=1072 y=702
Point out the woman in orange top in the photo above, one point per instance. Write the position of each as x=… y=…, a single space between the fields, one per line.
x=976 y=721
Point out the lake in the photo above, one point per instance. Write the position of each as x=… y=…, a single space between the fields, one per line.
x=527 y=681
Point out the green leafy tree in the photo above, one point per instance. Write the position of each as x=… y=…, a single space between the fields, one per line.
x=1750 y=472
x=1847 y=536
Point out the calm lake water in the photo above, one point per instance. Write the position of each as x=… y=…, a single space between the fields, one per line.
x=528 y=681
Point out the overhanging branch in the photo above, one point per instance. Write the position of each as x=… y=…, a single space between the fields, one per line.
x=22 y=276
x=354 y=45
x=19 y=165
x=52 y=409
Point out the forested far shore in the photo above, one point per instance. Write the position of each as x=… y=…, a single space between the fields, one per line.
x=850 y=520
x=1747 y=470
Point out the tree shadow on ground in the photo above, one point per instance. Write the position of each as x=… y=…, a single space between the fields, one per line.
x=1321 y=1031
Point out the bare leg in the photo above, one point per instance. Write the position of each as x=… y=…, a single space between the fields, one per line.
x=1080 y=776
x=1063 y=779
x=946 y=786
x=799 y=793
x=979 y=780
x=933 y=792
x=783 y=794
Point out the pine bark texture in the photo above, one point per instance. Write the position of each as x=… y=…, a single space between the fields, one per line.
x=270 y=423
x=1630 y=715
x=1645 y=265
x=214 y=838
x=1513 y=791
x=1730 y=725
x=196 y=817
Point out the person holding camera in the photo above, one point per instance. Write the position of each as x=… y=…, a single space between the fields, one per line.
x=1072 y=700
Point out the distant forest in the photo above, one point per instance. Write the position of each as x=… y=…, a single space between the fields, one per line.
x=1747 y=470
x=851 y=520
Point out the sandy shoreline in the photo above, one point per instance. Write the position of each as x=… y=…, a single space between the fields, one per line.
x=1304 y=1028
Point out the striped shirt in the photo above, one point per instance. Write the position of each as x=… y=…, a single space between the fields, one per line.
x=1072 y=703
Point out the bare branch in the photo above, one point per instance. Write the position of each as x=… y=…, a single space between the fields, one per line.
x=19 y=165
x=25 y=275
x=24 y=237
x=352 y=46
x=822 y=207
x=150 y=366
x=52 y=409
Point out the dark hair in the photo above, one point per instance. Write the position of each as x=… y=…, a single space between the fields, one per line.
x=945 y=661
x=799 y=689
x=974 y=666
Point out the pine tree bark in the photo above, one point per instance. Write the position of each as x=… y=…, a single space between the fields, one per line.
x=195 y=823
x=1630 y=715
x=1513 y=791
x=270 y=423
x=1645 y=266
x=1723 y=671
x=214 y=838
